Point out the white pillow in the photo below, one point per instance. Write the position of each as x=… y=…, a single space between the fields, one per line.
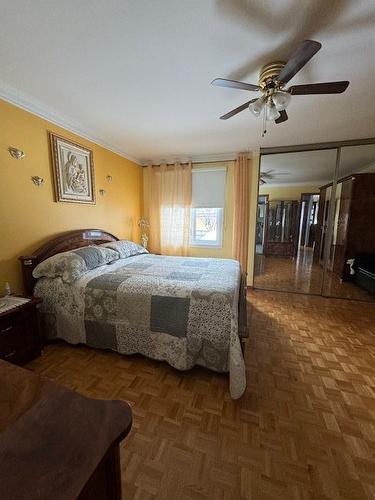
x=125 y=248
x=71 y=265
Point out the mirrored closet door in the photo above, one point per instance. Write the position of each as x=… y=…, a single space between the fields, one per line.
x=350 y=269
x=315 y=228
x=292 y=217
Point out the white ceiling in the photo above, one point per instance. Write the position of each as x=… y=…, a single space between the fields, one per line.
x=317 y=167
x=135 y=74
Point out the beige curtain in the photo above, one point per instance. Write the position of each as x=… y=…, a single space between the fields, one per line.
x=241 y=210
x=167 y=200
x=151 y=199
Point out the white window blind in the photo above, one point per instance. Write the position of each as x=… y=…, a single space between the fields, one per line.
x=208 y=190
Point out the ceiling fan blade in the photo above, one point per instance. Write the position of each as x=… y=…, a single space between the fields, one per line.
x=306 y=50
x=319 y=88
x=233 y=84
x=283 y=117
x=236 y=110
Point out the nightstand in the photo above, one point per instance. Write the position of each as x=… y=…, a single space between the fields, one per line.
x=19 y=333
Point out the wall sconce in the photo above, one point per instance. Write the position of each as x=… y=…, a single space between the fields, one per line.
x=16 y=153
x=109 y=178
x=102 y=192
x=38 y=181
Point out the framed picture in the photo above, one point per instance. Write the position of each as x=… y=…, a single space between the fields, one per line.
x=73 y=169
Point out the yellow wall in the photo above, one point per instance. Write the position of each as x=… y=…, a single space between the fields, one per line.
x=226 y=250
x=29 y=216
x=286 y=192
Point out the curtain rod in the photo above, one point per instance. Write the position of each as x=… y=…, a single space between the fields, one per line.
x=192 y=162
x=212 y=161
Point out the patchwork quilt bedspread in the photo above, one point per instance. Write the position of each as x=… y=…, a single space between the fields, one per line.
x=182 y=310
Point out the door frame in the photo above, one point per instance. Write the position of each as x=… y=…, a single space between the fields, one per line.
x=266 y=204
x=299 y=213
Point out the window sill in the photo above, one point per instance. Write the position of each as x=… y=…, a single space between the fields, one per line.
x=204 y=246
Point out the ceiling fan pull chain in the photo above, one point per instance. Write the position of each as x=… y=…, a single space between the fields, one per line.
x=264 y=122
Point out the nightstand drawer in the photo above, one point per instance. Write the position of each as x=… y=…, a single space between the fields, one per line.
x=10 y=326
x=11 y=337
x=19 y=336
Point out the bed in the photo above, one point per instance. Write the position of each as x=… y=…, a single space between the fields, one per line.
x=183 y=310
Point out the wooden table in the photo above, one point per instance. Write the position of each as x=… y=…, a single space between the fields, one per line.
x=55 y=443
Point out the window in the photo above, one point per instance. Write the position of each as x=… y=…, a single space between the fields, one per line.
x=207 y=212
x=206 y=227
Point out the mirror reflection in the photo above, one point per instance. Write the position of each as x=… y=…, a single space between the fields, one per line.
x=351 y=260
x=292 y=220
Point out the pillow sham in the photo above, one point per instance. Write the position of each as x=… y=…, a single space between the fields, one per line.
x=125 y=248
x=69 y=266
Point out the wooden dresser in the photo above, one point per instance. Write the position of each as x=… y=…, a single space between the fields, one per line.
x=354 y=227
x=55 y=443
x=356 y=221
x=19 y=333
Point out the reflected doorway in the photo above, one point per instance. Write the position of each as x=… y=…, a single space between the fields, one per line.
x=261 y=223
x=308 y=222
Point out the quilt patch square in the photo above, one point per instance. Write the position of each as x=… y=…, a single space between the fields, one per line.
x=141 y=266
x=195 y=263
x=133 y=309
x=169 y=315
x=108 y=281
x=184 y=276
x=101 y=335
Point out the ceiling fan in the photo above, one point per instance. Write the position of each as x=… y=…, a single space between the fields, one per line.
x=272 y=80
x=270 y=175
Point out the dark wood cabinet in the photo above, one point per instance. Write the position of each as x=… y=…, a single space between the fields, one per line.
x=341 y=229
x=19 y=333
x=282 y=228
x=354 y=223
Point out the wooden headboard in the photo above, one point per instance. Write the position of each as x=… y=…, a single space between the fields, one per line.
x=63 y=243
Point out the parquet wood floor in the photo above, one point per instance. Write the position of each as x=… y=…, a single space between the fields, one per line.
x=305 y=428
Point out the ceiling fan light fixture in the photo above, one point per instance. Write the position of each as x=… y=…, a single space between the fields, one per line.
x=257 y=106
x=281 y=100
x=271 y=112
x=274 y=76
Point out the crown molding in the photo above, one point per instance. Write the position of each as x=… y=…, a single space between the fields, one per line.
x=208 y=158
x=35 y=107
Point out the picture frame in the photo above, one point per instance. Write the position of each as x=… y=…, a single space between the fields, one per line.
x=73 y=171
